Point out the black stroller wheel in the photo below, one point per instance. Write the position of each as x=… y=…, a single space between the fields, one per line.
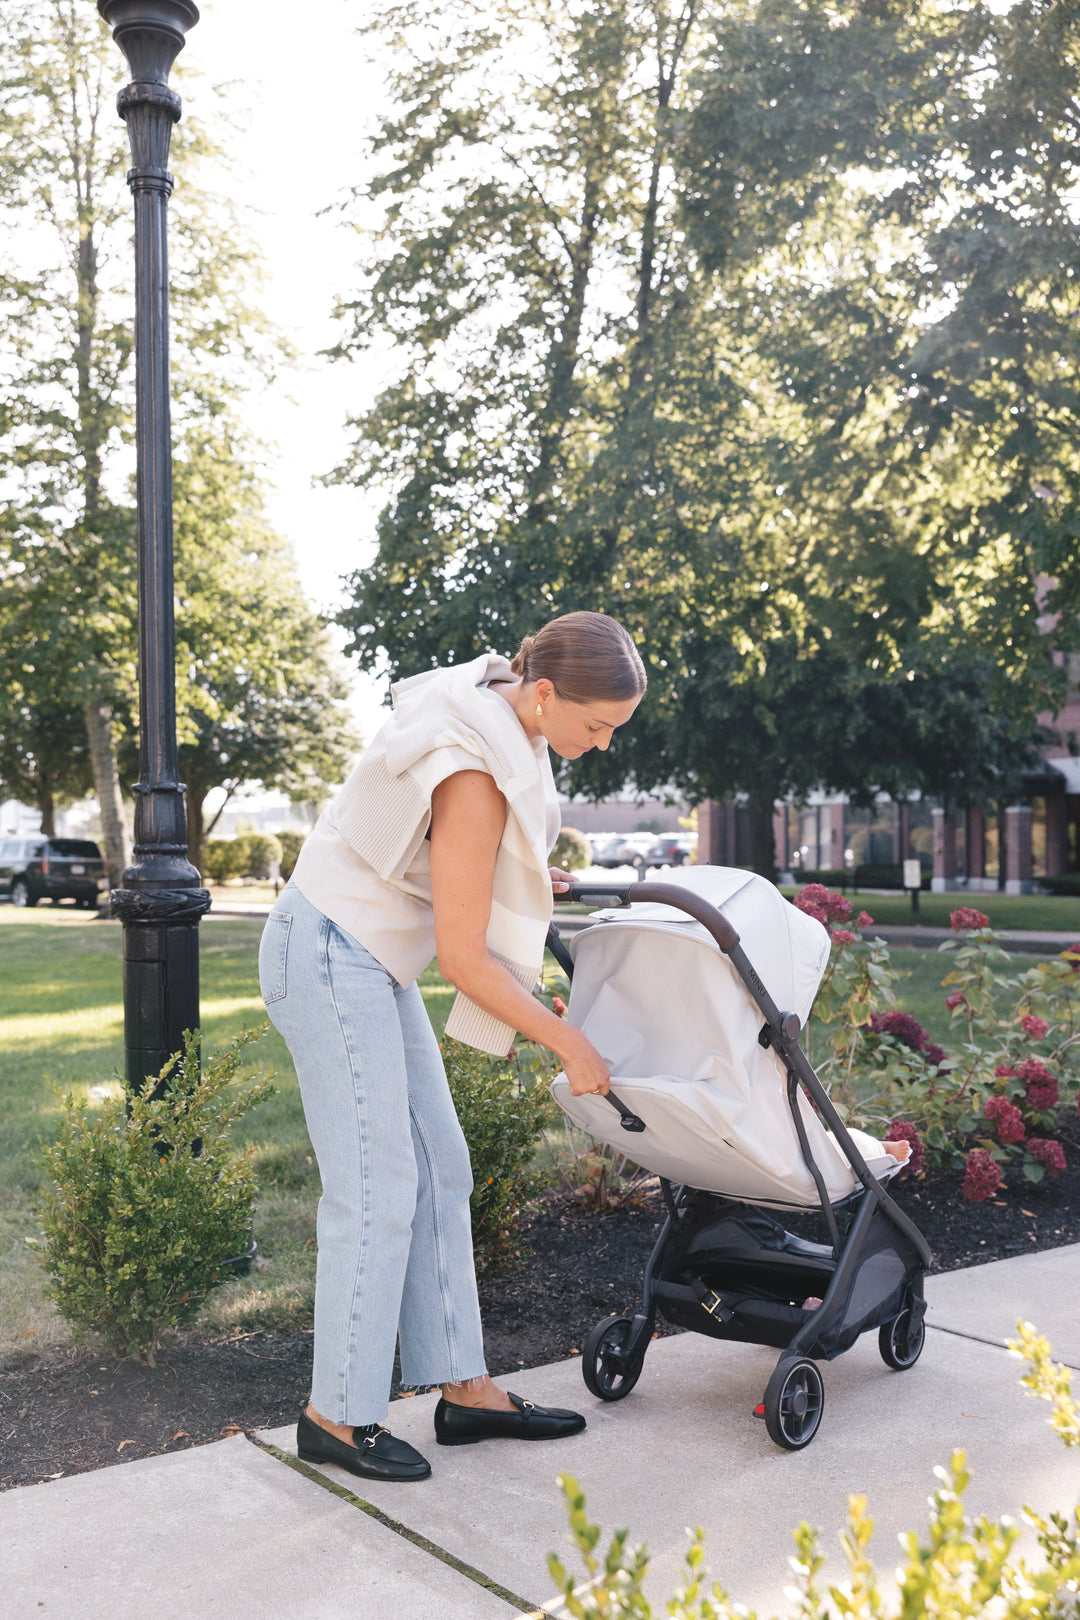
x=794 y=1402
x=901 y=1340
x=608 y=1372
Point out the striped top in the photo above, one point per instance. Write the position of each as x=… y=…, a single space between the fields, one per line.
x=366 y=865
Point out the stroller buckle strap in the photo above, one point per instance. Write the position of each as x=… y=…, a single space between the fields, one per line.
x=716 y=1305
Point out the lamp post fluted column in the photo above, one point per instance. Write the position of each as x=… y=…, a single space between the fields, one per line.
x=162 y=897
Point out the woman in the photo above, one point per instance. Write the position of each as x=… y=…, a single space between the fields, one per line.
x=438 y=842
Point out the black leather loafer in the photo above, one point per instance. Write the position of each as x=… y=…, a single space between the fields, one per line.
x=465 y=1425
x=375 y=1454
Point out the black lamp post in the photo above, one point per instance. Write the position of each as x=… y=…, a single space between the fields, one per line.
x=162 y=898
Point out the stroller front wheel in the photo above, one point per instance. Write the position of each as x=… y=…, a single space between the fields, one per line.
x=609 y=1365
x=794 y=1402
x=901 y=1340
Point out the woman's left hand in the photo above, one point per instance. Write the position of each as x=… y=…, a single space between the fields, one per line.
x=560 y=881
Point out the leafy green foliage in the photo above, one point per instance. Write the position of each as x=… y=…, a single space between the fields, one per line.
x=572 y=850
x=291 y=845
x=260 y=696
x=145 y=1201
x=753 y=326
x=960 y=1568
x=502 y=1116
x=1014 y=1068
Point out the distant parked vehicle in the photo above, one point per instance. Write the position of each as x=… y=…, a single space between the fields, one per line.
x=670 y=849
x=40 y=868
x=627 y=849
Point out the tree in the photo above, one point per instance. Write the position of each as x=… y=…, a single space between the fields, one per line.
x=671 y=300
x=262 y=696
x=66 y=513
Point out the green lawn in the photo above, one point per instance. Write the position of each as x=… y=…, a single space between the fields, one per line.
x=62 y=1021
x=1052 y=912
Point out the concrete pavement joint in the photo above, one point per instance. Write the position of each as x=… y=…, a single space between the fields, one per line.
x=531 y=1611
x=995 y=1344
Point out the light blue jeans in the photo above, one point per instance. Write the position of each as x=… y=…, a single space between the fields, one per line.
x=395 y=1259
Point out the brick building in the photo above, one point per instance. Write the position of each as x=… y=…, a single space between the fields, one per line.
x=1009 y=846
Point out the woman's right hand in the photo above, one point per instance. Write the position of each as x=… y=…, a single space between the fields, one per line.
x=584 y=1068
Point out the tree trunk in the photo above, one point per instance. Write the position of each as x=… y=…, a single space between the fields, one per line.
x=194 y=799
x=762 y=835
x=44 y=794
x=99 y=730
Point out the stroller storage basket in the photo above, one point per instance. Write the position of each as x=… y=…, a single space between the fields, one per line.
x=725 y=1107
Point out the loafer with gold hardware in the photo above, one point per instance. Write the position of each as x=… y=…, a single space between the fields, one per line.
x=374 y=1454
x=465 y=1425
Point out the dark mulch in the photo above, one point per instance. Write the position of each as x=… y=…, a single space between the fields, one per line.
x=76 y=1410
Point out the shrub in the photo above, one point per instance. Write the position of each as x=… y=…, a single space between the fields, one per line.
x=257 y=853
x=223 y=859
x=1010 y=1076
x=291 y=845
x=502 y=1115
x=145 y=1202
x=960 y=1570
x=572 y=850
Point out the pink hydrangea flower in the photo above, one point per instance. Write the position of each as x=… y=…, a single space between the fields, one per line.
x=967 y=917
x=826 y=905
x=1003 y=1072
x=558 y=1006
x=1042 y=1088
x=907 y=1030
x=982 y=1176
x=863 y=920
x=811 y=899
x=934 y=1055
x=957 y=999
x=1006 y=1120
x=1033 y=1026
x=901 y=1131
x=1071 y=953
x=843 y=936
x=1051 y=1155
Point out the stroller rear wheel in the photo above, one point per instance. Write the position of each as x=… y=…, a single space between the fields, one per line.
x=901 y=1340
x=609 y=1365
x=794 y=1402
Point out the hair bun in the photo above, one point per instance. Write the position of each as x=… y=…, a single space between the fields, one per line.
x=520 y=661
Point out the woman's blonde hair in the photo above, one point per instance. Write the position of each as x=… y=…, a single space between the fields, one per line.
x=587 y=657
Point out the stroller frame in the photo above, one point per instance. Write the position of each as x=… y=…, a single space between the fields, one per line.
x=728 y=1269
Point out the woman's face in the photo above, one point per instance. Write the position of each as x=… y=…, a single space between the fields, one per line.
x=571 y=729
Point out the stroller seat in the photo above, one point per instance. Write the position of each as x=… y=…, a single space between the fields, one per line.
x=679 y=1030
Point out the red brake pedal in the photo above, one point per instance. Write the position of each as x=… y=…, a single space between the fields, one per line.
x=759 y=1410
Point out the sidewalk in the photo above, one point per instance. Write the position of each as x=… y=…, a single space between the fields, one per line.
x=233 y=1529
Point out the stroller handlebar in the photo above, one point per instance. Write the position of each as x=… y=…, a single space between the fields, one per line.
x=664 y=894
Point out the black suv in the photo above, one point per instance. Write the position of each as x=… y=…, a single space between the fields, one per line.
x=39 y=868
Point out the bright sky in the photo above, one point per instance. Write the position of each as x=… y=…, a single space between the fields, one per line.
x=301 y=70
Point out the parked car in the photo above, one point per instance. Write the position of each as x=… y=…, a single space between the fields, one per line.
x=626 y=849
x=670 y=849
x=40 y=868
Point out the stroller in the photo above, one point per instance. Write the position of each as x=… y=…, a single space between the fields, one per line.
x=713 y=1093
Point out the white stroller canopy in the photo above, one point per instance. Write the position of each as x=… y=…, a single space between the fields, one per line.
x=679 y=1031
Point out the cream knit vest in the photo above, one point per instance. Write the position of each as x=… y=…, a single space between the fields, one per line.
x=365 y=866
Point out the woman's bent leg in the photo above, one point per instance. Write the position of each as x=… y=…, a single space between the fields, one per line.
x=336 y=1007
x=440 y=1336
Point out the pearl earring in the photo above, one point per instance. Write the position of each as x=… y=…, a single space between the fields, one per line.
x=540 y=708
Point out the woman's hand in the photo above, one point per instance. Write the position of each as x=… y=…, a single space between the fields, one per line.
x=560 y=881
x=583 y=1066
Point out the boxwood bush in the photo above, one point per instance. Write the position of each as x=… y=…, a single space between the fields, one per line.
x=146 y=1201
